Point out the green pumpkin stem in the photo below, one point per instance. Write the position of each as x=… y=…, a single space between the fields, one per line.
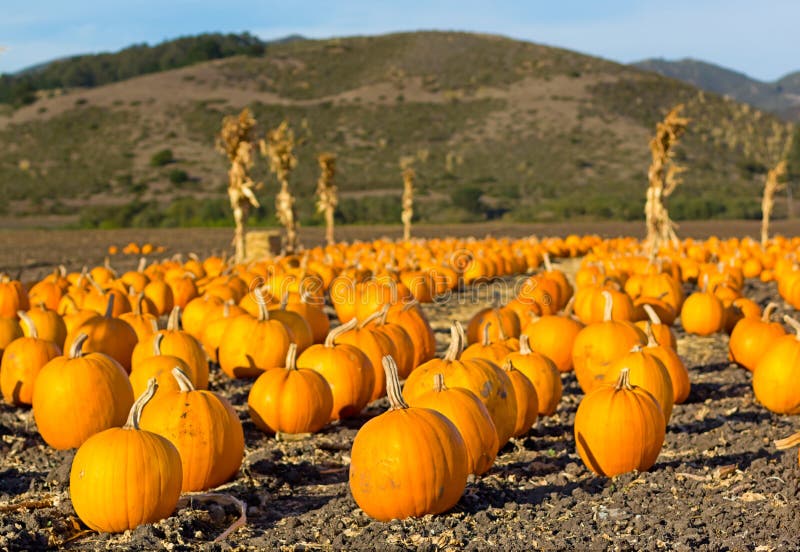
x=330 y=340
x=29 y=323
x=291 y=357
x=184 y=382
x=396 y=401
x=135 y=413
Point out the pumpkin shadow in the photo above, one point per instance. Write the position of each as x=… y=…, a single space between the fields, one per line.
x=704 y=390
x=742 y=460
x=303 y=474
x=15 y=482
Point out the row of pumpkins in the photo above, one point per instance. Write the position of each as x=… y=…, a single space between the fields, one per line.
x=453 y=414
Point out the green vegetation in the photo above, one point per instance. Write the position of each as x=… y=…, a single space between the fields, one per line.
x=95 y=70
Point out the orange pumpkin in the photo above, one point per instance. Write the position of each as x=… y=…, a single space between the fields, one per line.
x=526 y=399
x=107 y=335
x=776 y=378
x=554 y=337
x=542 y=373
x=752 y=337
x=22 y=361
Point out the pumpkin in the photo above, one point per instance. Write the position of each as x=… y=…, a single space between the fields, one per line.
x=298 y=327
x=484 y=378
x=600 y=344
x=250 y=346
x=347 y=370
x=124 y=477
x=494 y=351
x=9 y=331
x=619 y=428
x=681 y=386
x=203 y=427
x=542 y=373
x=776 y=378
x=107 y=335
x=384 y=484
x=404 y=347
x=375 y=344
x=410 y=317
x=752 y=337
x=142 y=320
x=310 y=309
x=194 y=316
x=13 y=297
x=526 y=399
x=22 y=361
x=79 y=395
x=216 y=324
x=648 y=372
x=662 y=333
x=702 y=314
x=158 y=366
x=470 y=417
x=504 y=323
x=161 y=295
x=49 y=325
x=291 y=400
x=554 y=337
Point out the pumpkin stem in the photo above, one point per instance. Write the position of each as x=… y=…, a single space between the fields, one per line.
x=330 y=340
x=384 y=313
x=174 y=321
x=438 y=382
x=291 y=357
x=651 y=337
x=157 y=339
x=135 y=413
x=569 y=307
x=72 y=303
x=284 y=301
x=396 y=401
x=608 y=307
x=624 y=381
x=94 y=284
x=455 y=344
x=547 y=265
x=142 y=264
x=508 y=366
x=374 y=316
x=500 y=330
x=793 y=323
x=410 y=305
x=184 y=382
x=636 y=349
x=110 y=305
x=462 y=336
x=651 y=314
x=154 y=324
x=485 y=338
x=768 y=310
x=226 y=308
x=29 y=323
x=524 y=345
x=788 y=442
x=263 y=313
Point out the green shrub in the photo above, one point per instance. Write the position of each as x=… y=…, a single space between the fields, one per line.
x=178 y=176
x=161 y=158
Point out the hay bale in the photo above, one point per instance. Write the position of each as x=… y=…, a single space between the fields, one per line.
x=262 y=244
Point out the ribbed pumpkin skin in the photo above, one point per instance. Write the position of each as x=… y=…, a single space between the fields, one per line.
x=76 y=398
x=22 y=362
x=9 y=331
x=702 y=314
x=411 y=318
x=375 y=345
x=750 y=339
x=13 y=298
x=159 y=367
x=598 y=346
x=250 y=346
x=472 y=420
x=649 y=373
x=49 y=325
x=182 y=345
x=122 y=478
x=407 y=463
x=554 y=336
x=290 y=401
x=527 y=401
x=206 y=431
x=776 y=379
x=618 y=431
x=545 y=377
x=681 y=385
x=348 y=372
x=110 y=336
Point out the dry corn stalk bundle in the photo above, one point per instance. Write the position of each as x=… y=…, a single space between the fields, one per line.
x=773 y=184
x=279 y=149
x=236 y=141
x=327 y=192
x=409 y=175
x=663 y=177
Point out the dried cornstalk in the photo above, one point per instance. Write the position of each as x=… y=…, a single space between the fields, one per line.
x=327 y=192
x=279 y=149
x=773 y=184
x=409 y=175
x=663 y=177
x=236 y=141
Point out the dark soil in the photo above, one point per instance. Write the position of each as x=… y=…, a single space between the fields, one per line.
x=719 y=483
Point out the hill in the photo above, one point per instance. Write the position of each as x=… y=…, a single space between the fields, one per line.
x=533 y=132
x=781 y=97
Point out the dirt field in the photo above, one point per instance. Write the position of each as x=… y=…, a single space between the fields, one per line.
x=719 y=484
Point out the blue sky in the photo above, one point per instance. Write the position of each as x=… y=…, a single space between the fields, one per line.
x=760 y=38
